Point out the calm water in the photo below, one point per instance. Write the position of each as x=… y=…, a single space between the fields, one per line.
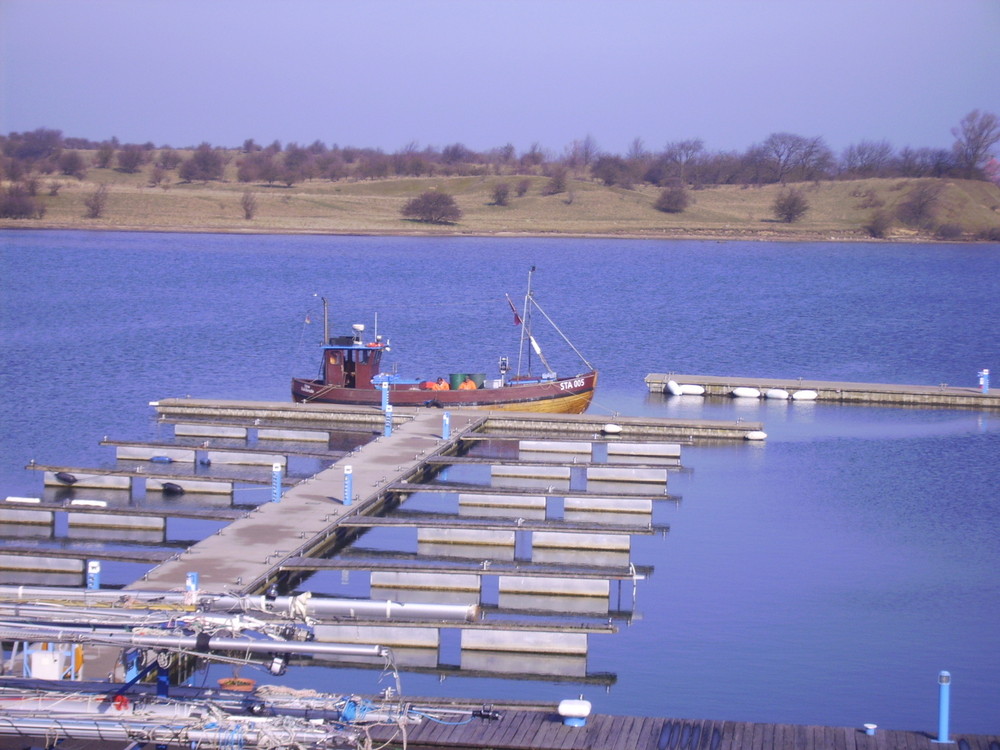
x=824 y=577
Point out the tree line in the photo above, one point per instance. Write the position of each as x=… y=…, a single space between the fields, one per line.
x=781 y=158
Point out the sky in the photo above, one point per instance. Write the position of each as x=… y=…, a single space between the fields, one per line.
x=392 y=73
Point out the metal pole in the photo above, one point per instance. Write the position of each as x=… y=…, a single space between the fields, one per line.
x=277 y=470
x=446 y=426
x=388 y=420
x=385 y=395
x=348 y=485
x=944 y=707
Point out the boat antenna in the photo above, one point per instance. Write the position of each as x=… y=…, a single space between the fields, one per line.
x=326 y=322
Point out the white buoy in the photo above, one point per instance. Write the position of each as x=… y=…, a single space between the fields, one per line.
x=745 y=392
x=755 y=435
x=776 y=393
x=673 y=388
x=611 y=429
x=574 y=712
x=805 y=396
x=690 y=389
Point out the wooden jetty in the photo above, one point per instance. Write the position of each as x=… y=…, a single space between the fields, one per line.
x=522 y=729
x=940 y=396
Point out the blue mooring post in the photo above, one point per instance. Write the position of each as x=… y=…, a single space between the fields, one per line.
x=348 y=485
x=93 y=574
x=446 y=426
x=984 y=381
x=388 y=420
x=131 y=659
x=276 y=475
x=385 y=395
x=944 y=707
x=191 y=588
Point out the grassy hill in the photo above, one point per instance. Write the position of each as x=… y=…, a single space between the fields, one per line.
x=838 y=210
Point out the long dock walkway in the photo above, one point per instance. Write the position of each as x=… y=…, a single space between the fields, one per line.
x=244 y=556
x=876 y=394
x=541 y=730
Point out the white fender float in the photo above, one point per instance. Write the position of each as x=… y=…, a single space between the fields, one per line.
x=805 y=396
x=673 y=388
x=779 y=394
x=611 y=429
x=755 y=435
x=745 y=392
x=690 y=389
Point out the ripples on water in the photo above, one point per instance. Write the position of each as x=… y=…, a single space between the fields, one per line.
x=822 y=578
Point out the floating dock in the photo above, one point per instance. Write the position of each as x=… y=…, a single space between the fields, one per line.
x=940 y=396
x=543 y=730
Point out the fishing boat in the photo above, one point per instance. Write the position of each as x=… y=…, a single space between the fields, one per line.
x=351 y=372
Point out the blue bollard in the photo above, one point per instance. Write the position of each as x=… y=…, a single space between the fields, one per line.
x=277 y=470
x=348 y=485
x=94 y=574
x=388 y=420
x=944 y=707
x=385 y=395
x=191 y=588
x=446 y=426
x=984 y=381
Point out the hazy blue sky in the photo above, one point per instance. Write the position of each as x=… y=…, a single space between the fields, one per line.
x=385 y=73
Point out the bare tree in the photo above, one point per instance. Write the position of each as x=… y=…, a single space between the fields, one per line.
x=104 y=155
x=501 y=194
x=682 y=154
x=867 y=159
x=131 y=157
x=97 y=202
x=673 y=200
x=919 y=208
x=790 y=205
x=433 y=207
x=248 y=202
x=558 y=179
x=71 y=164
x=975 y=136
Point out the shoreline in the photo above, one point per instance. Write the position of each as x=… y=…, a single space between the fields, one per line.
x=709 y=235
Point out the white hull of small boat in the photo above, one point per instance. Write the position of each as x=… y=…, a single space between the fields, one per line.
x=805 y=396
x=745 y=392
x=755 y=435
x=690 y=389
x=779 y=394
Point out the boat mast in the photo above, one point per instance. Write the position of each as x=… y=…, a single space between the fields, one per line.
x=326 y=322
x=525 y=326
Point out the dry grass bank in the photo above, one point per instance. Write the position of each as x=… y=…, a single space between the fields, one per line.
x=838 y=210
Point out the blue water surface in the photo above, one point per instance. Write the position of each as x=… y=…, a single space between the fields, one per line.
x=823 y=577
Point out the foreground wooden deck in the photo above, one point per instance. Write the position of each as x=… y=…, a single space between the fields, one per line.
x=540 y=730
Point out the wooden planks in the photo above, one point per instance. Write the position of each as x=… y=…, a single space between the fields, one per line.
x=544 y=730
